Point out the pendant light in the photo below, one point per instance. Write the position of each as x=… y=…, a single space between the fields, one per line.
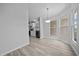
x=47 y=20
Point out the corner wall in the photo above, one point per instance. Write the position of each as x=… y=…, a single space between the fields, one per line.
x=13 y=26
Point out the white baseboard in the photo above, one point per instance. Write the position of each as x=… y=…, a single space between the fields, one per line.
x=14 y=49
x=75 y=50
x=50 y=37
x=75 y=47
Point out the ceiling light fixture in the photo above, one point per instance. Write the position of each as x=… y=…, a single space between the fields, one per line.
x=48 y=20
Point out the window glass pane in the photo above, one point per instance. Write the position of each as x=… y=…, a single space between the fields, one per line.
x=75 y=26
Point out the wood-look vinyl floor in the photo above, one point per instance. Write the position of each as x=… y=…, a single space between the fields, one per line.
x=44 y=47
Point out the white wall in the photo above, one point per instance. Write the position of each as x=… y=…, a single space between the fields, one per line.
x=63 y=33
x=13 y=26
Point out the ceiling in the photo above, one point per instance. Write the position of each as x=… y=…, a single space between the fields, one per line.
x=40 y=9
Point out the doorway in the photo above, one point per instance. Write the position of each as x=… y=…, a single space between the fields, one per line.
x=34 y=28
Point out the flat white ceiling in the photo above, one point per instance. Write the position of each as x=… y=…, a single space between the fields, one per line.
x=39 y=9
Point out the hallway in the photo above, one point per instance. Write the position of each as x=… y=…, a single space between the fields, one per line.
x=57 y=26
x=44 y=47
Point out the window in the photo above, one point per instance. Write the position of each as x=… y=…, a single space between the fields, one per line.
x=75 y=25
